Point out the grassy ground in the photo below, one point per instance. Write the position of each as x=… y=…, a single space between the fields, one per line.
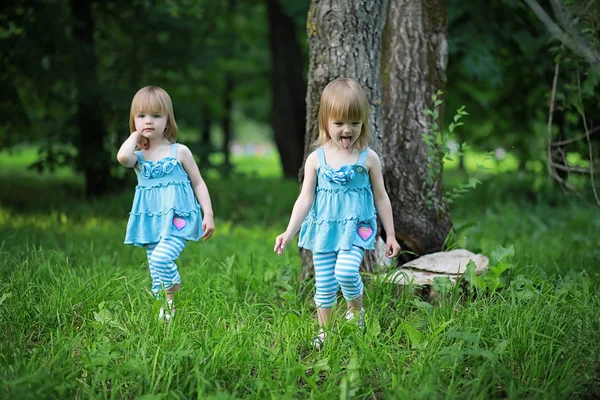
x=79 y=321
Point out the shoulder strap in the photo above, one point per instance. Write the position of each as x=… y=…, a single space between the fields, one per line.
x=362 y=157
x=140 y=156
x=321 y=154
x=174 y=148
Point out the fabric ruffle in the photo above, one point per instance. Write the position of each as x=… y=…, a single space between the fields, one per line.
x=158 y=169
x=143 y=228
x=334 y=235
x=344 y=189
x=164 y=209
x=341 y=176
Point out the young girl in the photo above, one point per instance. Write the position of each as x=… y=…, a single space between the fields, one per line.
x=341 y=194
x=165 y=212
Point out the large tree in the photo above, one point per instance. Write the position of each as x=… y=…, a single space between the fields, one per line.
x=345 y=39
x=288 y=89
x=414 y=57
x=93 y=160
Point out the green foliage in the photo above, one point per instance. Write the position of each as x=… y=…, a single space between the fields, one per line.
x=192 y=50
x=79 y=320
x=497 y=70
x=502 y=67
x=493 y=277
x=438 y=140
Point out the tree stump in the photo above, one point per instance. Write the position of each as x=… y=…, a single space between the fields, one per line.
x=422 y=271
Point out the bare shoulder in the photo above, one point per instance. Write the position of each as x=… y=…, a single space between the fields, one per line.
x=184 y=152
x=312 y=162
x=372 y=160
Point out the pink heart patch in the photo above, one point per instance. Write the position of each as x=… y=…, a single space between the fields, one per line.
x=365 y=232
x=179 y=223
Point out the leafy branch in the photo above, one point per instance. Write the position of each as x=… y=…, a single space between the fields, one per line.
x=438 y=142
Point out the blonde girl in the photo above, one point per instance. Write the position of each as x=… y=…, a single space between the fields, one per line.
x=342 y=194
x=170 y=195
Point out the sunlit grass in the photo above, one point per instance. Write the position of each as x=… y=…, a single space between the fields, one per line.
x=484 y=162
x=79 y=321
x=266 y=165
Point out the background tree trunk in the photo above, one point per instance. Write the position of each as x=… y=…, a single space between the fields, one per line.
x=226 y=119
x=206 y=146
x=92 y=157
x=414 y=58
x=344 y=40
x=288 y=89
x=226 y=125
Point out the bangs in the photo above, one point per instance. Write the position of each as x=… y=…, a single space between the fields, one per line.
x=343 y=99
x=346 y=106
x=151 y=101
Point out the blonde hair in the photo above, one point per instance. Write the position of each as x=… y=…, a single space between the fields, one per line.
x=343 y=99
x=152 y=99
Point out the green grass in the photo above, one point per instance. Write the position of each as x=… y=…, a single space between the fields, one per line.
x=78 y=319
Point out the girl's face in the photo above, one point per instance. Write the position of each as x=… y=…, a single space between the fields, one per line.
x=151 y=125
x=344 y=132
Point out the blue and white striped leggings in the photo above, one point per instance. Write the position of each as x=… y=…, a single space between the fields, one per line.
x=336 y=269
x=161 y=259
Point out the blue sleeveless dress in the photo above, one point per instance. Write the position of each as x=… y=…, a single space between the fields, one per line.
x=343 y=213
x=164 y=204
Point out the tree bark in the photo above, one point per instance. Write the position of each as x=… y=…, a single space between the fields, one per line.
x=228 y=86
x=226 y=125
x=92 y=157
x=414 y=58
x=288 y=89
x=344 y=39
x=206 y=147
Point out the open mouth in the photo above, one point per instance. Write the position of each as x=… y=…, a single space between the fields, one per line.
x=346 y=140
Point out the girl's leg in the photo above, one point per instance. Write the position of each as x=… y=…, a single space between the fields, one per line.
x=156 y=284
x=347 y=274
x=162 y=266
x=326 y=285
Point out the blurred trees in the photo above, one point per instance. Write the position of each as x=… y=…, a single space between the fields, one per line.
x=288 y=89
x=223 y=61
x=501 y=66
x=71 y=68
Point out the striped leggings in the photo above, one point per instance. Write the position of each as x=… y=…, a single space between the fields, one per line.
x=336 y=269
x=163 y=269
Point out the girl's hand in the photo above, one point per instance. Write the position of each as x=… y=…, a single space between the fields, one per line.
x=208 y=227
x=280 y=242
x=143 y=143
x=392 y=248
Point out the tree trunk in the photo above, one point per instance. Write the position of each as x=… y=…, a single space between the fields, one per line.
x=227 y=117
x=414 y=58
x=344 y=40
x=226 y=124
x=288 y=89
x=92 y=157
x=206 y=147
x=459 y=147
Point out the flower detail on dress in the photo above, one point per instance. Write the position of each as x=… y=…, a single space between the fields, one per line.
x=341 y=176
x=163 y=167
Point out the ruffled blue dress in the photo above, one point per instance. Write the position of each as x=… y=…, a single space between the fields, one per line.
x=164 y=204
x=343 y=213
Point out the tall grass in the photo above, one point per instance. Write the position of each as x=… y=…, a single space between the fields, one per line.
x=79 y=321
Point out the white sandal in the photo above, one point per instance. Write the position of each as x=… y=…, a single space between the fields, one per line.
x=351 y=315
x=319 y=340
x=169 y=314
